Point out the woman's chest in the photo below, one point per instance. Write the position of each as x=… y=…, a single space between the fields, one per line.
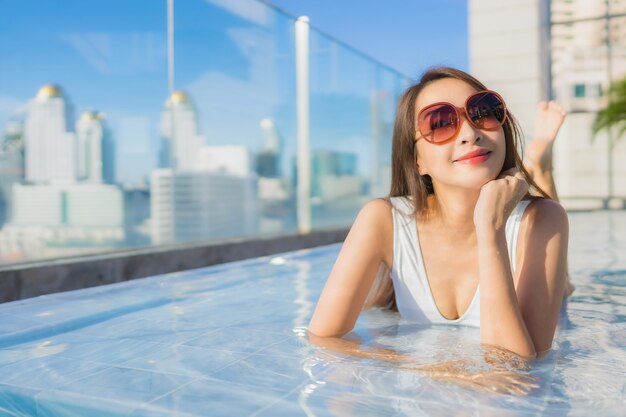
x=452 y=272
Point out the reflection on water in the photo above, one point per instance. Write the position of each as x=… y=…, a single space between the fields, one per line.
x=583 y=372
x=230 y=340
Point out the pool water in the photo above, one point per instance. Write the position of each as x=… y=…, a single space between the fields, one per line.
x=228 y=340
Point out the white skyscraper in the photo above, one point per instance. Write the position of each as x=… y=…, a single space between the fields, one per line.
x=569 y=50
x=230 y=159
x=179 y=128
x=206 y=192
x=49 y=143
x=199 y=205
x=95 y=150
x=50 y=220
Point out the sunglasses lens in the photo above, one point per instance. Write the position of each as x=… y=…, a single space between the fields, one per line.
x=438 y=123
x=486 y=110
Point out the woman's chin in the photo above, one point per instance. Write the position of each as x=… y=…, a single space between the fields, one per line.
x=475 y=184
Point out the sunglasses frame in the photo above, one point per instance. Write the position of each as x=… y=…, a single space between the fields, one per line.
x=460 y=111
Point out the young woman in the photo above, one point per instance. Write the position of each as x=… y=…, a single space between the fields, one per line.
x=459 y=240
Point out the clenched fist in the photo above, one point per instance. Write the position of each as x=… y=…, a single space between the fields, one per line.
x=497 y=200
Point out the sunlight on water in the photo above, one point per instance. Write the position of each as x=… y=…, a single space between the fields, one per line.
x=231 y=340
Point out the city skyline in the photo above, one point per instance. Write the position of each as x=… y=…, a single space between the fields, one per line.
x=187 y=163
x=119 y=65
x=65 y=199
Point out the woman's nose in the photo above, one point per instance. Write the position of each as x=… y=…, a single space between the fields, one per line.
x=467 y=132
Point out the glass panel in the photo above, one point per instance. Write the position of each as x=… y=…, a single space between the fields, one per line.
x=229 y=130
x=79 y=113
x=97 y=154
x=352 y=107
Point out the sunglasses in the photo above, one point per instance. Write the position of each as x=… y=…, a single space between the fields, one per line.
x=441 y=122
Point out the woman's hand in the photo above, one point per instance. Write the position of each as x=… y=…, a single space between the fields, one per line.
x=497 y=200
x=501 y=381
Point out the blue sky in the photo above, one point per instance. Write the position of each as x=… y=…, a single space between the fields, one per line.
x=234 y=56
x=408 y=35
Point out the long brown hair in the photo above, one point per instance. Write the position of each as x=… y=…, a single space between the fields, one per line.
x=405 y=179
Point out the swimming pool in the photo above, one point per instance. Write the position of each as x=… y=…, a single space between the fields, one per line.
x=227 y=341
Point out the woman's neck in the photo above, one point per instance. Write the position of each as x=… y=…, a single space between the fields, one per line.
x=453 y=208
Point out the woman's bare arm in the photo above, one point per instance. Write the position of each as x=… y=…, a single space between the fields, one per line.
x=542 y=270
x=501 y=320
x=523 y=318
x=505 y=372
x=368 y=244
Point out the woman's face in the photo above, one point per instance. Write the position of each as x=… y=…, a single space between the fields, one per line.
x=449 y=163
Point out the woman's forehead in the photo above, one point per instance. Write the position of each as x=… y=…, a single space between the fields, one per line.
x=449 y=90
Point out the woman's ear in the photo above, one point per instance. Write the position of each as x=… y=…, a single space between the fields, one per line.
x=420 y=170
x=418 y=165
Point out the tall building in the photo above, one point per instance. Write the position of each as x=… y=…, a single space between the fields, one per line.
x=229 y=159
x=568 y=50
x=579 y=72
x=81 y=206
x=382 y=107
x=205 y=192
x=64 y=207
x=50 y=220
x=96 y=152
x=49 y=140
x=199 y=205
x=181 y=140
x=11 y=166
x=334 y=175
x=268 y=159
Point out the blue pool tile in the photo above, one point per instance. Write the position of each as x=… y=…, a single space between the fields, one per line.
x=216 y=399
x=167 y=332
x=9 y=356
x=10 y=323
x=189 y=314
x=185 y=360
x=17 y=401
x=293 y=346
x=46 y=372
x=263 y=372
x=293 y=406
x=56 y=403
x=111 y=351
x=237 y=339
x=120 y=384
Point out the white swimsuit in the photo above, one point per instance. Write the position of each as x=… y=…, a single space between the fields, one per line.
x=413 y=295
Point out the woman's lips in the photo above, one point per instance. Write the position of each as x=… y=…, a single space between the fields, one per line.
x=473 y=158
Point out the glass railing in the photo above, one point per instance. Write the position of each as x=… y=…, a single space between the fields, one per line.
x=117 y=133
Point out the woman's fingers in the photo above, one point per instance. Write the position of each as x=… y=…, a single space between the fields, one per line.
x=511 y=171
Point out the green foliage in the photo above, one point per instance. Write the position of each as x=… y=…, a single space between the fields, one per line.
x=614 y=114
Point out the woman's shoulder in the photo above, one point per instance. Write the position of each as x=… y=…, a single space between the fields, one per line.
x=385 y=206
x=375 y=224
x=544 y=212
x=377 y=210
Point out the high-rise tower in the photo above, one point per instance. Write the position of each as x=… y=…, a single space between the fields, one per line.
x=49 y=142
x=95 y=149
x=179 y=129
